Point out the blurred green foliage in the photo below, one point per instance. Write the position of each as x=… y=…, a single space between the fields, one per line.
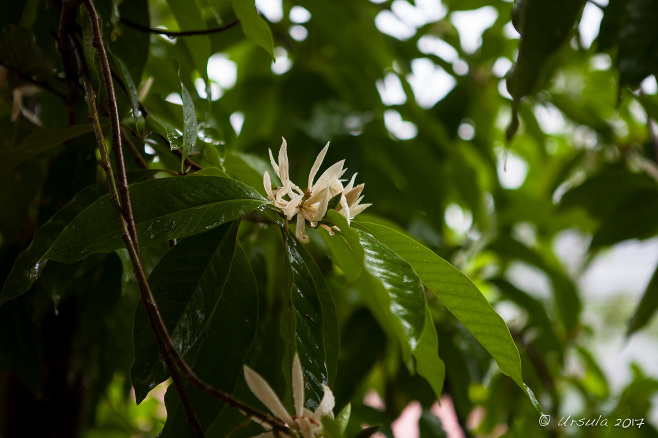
x=488 y=176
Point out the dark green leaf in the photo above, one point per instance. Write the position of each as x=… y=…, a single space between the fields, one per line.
x=40 y=142
x=163 y=209
x=315 y=324
x=29 y=264
x=219 y=352
x=647 y=306
x=253 y=26
x=430 y=426
x=368 y=432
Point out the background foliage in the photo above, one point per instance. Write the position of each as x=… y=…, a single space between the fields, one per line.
x=581 y=142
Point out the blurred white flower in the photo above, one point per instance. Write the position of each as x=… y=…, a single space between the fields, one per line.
x=311 y=205
x=308 y=423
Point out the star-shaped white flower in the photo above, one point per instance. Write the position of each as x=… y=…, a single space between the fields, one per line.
x=308 y=423
x=311 y=205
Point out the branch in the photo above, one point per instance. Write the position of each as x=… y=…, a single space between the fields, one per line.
x=173 y=34
x=106 y=72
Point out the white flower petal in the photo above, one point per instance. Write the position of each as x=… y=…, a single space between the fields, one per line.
x=322 y=207
x=298 y=386
x=273 y=163
x=351 y=184
x=317 y=164
x=264 y=392
x=359 y=208
x=326 y=406
x=329 y=175
x=267 y=183
x=353 y=194
x=284 y=168
x=345 y=210
x=292 y=207
x=300 y=232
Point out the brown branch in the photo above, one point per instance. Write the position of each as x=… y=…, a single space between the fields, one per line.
x=173 y=34
x=106 y=72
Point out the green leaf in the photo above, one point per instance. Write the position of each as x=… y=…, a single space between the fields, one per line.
x=31 y=262
x=164 y=209
x=253 y=26
x=460 y=296
x=132 y=90
x=315 y=323
x=388 y=285
x=40 y=142
x=343 y=417
x=189 y=17
x=190 y=126
x=219 y=352
x=428 y=363
x=331 y=428
x=647 y=306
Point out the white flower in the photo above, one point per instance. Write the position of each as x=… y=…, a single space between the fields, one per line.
x=308 y=423
x=311 y=205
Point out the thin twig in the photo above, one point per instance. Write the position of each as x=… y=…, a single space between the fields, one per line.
x=173 y=34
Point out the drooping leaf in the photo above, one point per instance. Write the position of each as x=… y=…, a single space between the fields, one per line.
x=40 y=142
x=544 y=26
x=130 y=85
x=315 y=324
x=388 y=286
x=163 y=209
x=190 y=126
x=31 y=262
x=253 y=26
x=647 y=306
x=458 y=293
x=189 y=17
x=219 y=352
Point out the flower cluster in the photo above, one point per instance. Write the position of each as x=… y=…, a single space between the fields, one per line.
x=311 y=205
x=307 y=423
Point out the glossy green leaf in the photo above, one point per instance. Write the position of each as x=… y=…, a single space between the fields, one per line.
x=31 y=262
x=190 y=126
x=315 y=324
x=458 y=293
x=647 y=306
x=164 y=209
x=387 y=284
x=40 y=142
x=253 y=26
x=219 y=352
x=189 y=17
